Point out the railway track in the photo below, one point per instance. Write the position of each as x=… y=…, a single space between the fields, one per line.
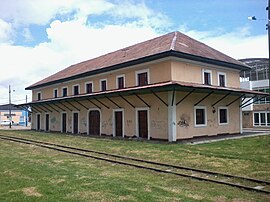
x=241 y=182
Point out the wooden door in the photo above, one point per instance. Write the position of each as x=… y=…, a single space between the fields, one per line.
x=75 y=123
x=94 y=122
x=38 y=122
x=47 y=122
x=64 y=123
x=119 y=123
x=143 y=123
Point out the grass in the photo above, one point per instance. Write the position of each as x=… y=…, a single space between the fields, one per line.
x=29 y=173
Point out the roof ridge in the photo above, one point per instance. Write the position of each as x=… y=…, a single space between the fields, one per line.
x=173 y=41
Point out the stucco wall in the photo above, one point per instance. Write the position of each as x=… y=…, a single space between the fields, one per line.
x=186 y=72
x=158 y=72
x=261 y=107
x=247 y=119
x=15 y=115
x=185 y=116
x=157 y=116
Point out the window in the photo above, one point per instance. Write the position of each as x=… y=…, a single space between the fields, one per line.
x=256 y=119
x=21 y=119
x=222 y=79
x=103 y=85
x=55 y=93
x=207 y=77
x=89 y=88
x=142 y=77
x=258 y=72
x=264 y=100
x=261 y=119
x=223 y=115
x=120 y=82
x=64 y=91
x=39 y=96
x=200 y=116
x=76 y=90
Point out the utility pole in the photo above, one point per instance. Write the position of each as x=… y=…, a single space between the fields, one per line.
x=26 y=115
x=10 y=119
x=268 y=29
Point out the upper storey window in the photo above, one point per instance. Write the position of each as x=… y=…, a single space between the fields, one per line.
x=76 y=90
x=120 y=81
x=55 y=93
x=142 y=77
x=222 y=79
x=64 y=91
x=89 y=87
x=103 y=85
x=207 y=77
x=39 y=96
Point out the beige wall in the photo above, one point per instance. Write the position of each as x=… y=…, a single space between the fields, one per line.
x=186 y=72
x=247 y=119
x=15 y=116
x=261 y=107
x=158 y=72
x=185 y=116
x=157 y=116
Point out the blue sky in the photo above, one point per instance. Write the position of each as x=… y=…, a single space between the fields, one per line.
x=41 y=37
x=201 y=15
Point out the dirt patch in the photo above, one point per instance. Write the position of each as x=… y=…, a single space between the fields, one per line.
x=57 y=181
x=195 y=196
x=31 y=191
x=147 y=189
x=126 y=198
x=58 y=161
x=11 y=173
x=86 y=195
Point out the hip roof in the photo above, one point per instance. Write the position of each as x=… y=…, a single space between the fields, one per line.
x=171 y=44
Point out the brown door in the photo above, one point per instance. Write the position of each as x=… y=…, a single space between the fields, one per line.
x=47 y=121
x=143 y=123
x=75 y=123
x=64 y=123
x=94 y=122
x=38 y=122
x=119 y=123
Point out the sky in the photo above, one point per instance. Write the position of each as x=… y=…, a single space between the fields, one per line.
x=41 y=37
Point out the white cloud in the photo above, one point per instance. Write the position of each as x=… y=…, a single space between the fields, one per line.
x=6 y=32
x=238 y=44
x=240 y=47
x=70 y=42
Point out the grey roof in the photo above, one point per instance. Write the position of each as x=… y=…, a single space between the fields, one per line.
x=6 y=107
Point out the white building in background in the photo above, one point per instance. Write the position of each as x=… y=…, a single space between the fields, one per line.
x=256 y=112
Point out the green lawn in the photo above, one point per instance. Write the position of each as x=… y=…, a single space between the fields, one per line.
x=29 y=173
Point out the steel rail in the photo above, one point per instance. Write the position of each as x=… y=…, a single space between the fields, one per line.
x=146 y=161
x=52 y=146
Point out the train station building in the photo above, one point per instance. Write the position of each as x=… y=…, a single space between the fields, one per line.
x=171 y=87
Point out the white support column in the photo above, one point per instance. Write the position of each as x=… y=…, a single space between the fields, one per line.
x=171 y=117
x=241 y=120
